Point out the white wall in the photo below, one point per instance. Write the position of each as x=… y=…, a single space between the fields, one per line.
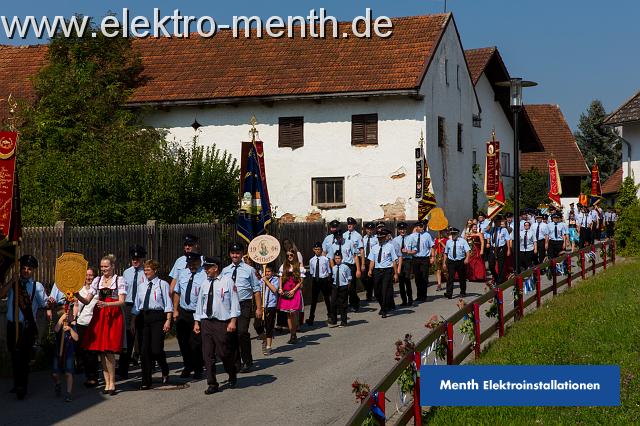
x=631 y=132
x=327 y=150
x=493 y=117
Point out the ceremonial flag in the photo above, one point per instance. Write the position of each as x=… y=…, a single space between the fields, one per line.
x=424 y=187
x=596 y=190
x=555 y=187
x=255 y=209
x=10 y=223
x=493 y=187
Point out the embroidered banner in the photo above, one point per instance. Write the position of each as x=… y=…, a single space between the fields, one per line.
x=255 y=210
x=555 y=187
x=492 y=181
x=7 y=175
x=596 y=190
x=424 y=188
x=419 y=173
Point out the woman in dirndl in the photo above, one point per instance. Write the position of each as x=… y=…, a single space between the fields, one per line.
x=105 y=333
x=290 y=300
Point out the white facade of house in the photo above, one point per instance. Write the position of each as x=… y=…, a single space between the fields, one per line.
x=493 y=117
x=631 y=133
x=379 y=179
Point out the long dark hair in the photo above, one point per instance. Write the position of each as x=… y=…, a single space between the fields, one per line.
x=291 y=268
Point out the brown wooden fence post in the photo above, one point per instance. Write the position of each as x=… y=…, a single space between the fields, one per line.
x=61 y=232
x=152 y=240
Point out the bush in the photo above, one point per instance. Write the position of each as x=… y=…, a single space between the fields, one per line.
x=627 y=232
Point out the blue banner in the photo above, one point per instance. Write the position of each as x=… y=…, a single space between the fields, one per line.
x=520 y=385
x=255 y=211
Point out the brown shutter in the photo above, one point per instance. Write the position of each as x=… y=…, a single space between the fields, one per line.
x=364 y=129
x=291 y=132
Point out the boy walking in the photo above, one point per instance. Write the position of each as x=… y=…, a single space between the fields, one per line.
x=340 y=291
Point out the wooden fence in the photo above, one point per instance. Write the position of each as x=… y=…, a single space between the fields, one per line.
x=457 y=355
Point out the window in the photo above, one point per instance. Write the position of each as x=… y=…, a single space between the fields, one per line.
x=442 y=134
x=459 y=137
x=458 y=76
x=474 y=156
x=290 y=132
x=477 y=120
x=505 y=164
x=446 y=71
x=364 y=129
x=328 y=192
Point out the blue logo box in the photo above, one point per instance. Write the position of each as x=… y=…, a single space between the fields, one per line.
x=520 y=385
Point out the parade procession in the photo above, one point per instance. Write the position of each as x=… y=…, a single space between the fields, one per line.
x=251 y=229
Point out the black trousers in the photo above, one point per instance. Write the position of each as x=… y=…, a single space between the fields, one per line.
x=153 y=344
x=367 y=281
x=454 y=266
x=21 y=352
x=266 y=324
x=383 y=284
x=585 y=237
x=542 y=252
x=610 y=229
x=421 y=273
x=354 y=300
x=339 y=296
x=526 y=259
x=555 y=247
x=241 y=339
x=404 y=281
x=217 y=342
x=497 y=257
x=88 y=359
x=190 y=343
x=320 y=285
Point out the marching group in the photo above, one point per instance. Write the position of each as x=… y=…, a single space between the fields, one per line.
x=212 y=304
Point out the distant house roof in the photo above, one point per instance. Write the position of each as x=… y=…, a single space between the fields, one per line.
x=557 y=139
x=627 y=112
x=195 y=70
x=613 y=184
x=487 y=61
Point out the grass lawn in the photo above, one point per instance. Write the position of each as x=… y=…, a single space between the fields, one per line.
x=596 y=322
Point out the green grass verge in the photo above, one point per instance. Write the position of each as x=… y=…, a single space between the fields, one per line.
x=595 y=322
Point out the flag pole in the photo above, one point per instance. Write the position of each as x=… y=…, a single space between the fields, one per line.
x=16 y=266
x=254 y=132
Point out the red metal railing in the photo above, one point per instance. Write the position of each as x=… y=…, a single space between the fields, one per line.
x=446 y=329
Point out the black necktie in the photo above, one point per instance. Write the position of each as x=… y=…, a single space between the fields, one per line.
x=318 y=268
x=538 y=232
x=368 y=248
x=210 y=299
x=380 y=255
x=145 y=306
x=134 y=290
x=349 y=235
x=337 y=275
x=187 y=296
x=525 y=239
x=584 y=221
x=235 y=273
x=402 y=245
x=419 y=235
x=454 y=249
x=556 y=230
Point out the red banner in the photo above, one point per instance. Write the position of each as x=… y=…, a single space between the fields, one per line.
x=7 y=175
x=492 y=180
x=596 y=190
x=555 y=187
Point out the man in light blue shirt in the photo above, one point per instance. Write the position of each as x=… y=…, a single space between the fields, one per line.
x=405 y=249
x=422 y=258
x=31 y=296
x=342 y=278
x=248 y=285
x=217 y=312
x=348 y=259
x=189 y=244
x=527 y=247
x=320 y=272
x=185 y=295
x=456 y=257
x=369 y=241
x=384 y=270
x=353 y=238
x=500 y=242
x=330 y=238
x=540 y=233
x=558 y=236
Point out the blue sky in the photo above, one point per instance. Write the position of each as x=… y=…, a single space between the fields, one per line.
x=577 y=50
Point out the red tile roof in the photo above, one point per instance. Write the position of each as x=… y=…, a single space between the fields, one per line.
x=557 y=139
x=198 y=70
x=477 y=61
x=17 y=65
x=223 y=67
x=613 y=184
x=627 y=112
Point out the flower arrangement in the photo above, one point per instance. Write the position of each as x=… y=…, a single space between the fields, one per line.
x=361 y=390
x=492 y=312
x=439 y=346
x=467 y=327
x=406 y=380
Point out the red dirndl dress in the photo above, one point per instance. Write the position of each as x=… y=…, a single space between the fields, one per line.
x=105 y=330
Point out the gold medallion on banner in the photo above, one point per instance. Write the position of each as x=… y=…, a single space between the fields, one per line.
x=264 y=249
x=71 y=271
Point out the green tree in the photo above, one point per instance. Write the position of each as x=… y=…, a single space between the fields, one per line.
x=595 y=142
x=88 y=159
x=627 y=233
x=533 y=188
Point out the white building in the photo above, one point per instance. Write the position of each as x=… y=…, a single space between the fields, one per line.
x=626 y=120
x=340 y=118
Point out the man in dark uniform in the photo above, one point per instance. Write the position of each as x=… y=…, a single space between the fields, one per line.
x=217 y=312
x=133 y=276
x=31 y=296
x=249 y=287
